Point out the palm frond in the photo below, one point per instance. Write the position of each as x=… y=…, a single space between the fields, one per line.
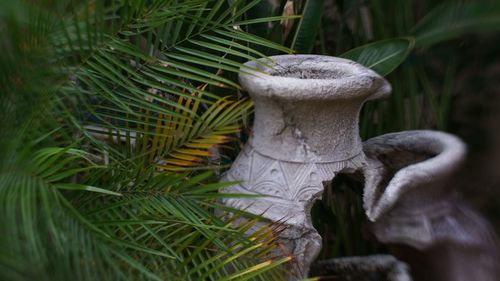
x=147 y=79
x=169 y=217
x=101 y=97
x=193 y=138
x=49 y=238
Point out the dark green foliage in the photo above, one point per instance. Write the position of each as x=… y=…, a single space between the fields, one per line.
x=340 y=220
x=100 y=101
x=305 y=35
x=453 y=19
x=382 y=56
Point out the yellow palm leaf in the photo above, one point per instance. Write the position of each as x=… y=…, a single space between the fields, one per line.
x=189 y=141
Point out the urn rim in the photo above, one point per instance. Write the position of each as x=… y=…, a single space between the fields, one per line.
x=311 y=77
x=444 y=153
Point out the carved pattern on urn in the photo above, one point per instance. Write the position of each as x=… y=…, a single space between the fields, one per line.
x=297 y=182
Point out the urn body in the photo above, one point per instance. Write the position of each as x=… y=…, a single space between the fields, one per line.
x=305 y=131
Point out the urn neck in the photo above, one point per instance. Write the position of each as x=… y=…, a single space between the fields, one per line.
x=307 y=131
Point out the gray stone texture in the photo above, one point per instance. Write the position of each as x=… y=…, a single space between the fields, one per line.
x=364 y=268
x=305 y=131
x=408 y=198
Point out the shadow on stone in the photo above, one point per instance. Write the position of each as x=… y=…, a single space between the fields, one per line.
x=368 y=268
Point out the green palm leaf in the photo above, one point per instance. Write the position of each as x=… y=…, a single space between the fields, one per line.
x=102 y=100
x=305 y=35
x=453 y=19
x=382 y=56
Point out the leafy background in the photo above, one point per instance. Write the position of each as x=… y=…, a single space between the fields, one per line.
x=112 y=112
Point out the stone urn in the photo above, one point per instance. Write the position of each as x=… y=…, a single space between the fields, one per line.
x=304 y=132
x=410 y=200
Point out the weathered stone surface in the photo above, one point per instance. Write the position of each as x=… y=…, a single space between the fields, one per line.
x=407 y=197
x=409 y=169
x=364 y=268
x=305 y=131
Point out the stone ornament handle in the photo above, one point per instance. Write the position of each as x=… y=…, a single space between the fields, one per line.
x=363 y=268
x=433 y=157
x=408 y=199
